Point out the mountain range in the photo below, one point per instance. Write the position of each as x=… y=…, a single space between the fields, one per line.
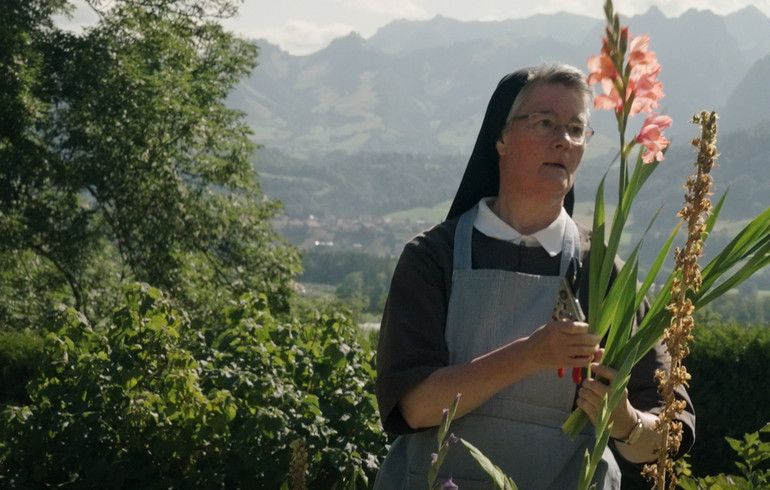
x=422 y=86
x=368 y=127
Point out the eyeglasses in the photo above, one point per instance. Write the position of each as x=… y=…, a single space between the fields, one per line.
x=545 y=125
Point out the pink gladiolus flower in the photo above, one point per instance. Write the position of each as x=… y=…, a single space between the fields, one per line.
x=647 y=92
x=610 y=100
x=643 y=83
x=651 y=136
x=600 y=66
x=638 y=54
x=647 y=83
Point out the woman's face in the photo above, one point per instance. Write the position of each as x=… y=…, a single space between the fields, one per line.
x=541 y=165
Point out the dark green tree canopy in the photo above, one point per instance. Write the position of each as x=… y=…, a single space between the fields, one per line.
x=120 y=160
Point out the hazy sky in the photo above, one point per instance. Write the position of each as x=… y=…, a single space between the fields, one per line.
x=304 y=26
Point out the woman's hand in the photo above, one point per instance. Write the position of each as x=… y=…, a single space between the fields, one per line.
x=563 y=343
x=624 y=417
x=592 y=392
x=557 y=343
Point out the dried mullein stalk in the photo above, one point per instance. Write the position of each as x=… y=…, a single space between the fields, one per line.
x=298 y=465
x=696 y=209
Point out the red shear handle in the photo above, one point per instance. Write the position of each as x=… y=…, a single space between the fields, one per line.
x=577 y=374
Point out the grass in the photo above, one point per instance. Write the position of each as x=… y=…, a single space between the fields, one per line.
x=434 y=214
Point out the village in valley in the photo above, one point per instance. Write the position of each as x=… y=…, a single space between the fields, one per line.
x=382 y=237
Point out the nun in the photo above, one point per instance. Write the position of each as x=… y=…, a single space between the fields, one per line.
x=470 y=311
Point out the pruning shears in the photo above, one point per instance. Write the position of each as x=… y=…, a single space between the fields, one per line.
x=568 y=307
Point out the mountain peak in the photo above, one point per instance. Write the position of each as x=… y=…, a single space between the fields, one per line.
x=748 y=12
x=352 y=47
x=352 y=40
x=654 y=14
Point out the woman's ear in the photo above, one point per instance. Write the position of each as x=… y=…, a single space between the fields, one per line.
x=500 y=144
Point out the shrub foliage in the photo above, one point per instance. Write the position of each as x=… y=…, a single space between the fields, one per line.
x=730 y=389
x=146 y=401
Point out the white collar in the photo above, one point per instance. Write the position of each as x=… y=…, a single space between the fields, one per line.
x=551 y=238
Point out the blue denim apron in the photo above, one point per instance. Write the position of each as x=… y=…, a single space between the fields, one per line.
x=518 y=429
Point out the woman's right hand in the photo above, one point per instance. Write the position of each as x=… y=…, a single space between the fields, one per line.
x=561 y=343
x=557 y=343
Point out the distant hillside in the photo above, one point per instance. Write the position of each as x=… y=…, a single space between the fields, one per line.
x=364 y=119
x=422 y=86
x=370 y=127
x=359 y=185
x=372 y=185
x=744 y=108
x=749 y=27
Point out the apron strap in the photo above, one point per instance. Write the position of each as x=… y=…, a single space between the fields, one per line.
x=463 y=238
x=570 y=250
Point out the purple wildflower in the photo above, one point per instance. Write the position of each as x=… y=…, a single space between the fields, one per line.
x=448 y=483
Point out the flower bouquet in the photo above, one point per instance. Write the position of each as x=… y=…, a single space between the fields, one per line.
x=627 y=72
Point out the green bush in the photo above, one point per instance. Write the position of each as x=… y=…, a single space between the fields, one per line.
x=19 y=357
x=114 y=407
x=730 y=388
x=310 y=380
x=146 y=402
x=753 y=454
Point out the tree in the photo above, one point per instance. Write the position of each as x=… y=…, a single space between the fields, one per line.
x=26 y=27
x=121 y=161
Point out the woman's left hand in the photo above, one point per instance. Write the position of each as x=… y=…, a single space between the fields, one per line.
x=590 y=396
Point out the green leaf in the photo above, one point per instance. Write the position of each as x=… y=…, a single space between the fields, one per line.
x=711 y=220
x=603 y=424
x=657 y=265
x=598 y=250
x=749 y=240
x=758 y=258
x=499 y=478
x=625 y=311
